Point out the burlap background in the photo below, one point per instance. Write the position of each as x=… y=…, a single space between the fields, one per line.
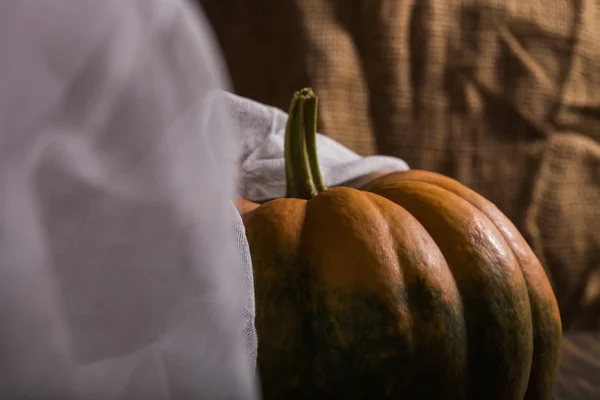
x=503 y=95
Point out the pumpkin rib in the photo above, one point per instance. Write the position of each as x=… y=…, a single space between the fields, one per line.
x=362 y=285
x=492 y=287
x=282 y=318
x=546 y=321
x=433 y=300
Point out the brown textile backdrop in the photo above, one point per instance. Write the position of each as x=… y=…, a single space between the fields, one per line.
x=503 y=95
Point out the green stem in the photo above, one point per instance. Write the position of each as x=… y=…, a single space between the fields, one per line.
x=297 y=167
x=302 y=172
x=310 y=133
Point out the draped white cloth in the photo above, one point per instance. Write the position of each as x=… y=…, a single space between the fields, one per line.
x=124 y=269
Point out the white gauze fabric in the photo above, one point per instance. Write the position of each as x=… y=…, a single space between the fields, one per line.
x=120 y=277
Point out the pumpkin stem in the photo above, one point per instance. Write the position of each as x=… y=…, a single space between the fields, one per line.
x=299 y=181
x=310 y=133
x=303 y=175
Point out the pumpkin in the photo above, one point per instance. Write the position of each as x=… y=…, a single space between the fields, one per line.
x=243 y=205
x=412 y=287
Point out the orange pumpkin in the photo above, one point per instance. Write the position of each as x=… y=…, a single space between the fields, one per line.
x=413 y=287
x=243 y=206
